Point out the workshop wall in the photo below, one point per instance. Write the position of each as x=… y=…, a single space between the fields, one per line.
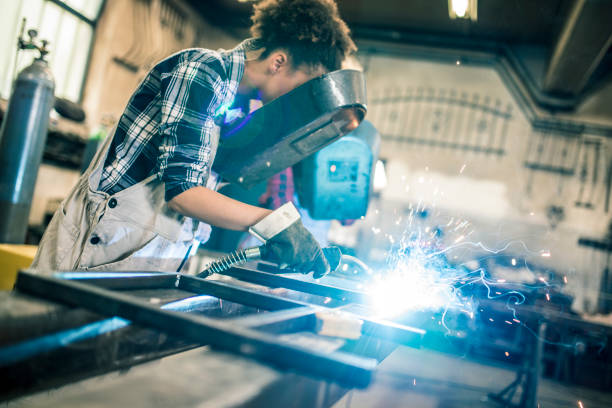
x=130 y=37
x=457 y=144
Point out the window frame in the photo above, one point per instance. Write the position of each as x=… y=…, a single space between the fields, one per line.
x=93 y=23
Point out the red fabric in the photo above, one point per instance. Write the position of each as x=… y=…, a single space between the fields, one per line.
x=279 y=191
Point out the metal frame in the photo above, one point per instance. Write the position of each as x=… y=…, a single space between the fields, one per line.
x=380 y=328
x=534 y=321
x=527 y=377
x=250 y=336
x=337 y=366
x=384 y=329
x=251 y=275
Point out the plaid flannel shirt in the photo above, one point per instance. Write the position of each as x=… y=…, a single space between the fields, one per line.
x=168 y=127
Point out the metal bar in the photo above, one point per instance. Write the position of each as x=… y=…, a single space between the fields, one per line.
x=284 y=321
x=337 y=366
x=397 y=333
x=74 y=12
x=273 y=280
x=236 y=294
x=123 y=280
x=601 y=244
x=549 y=169
x=529 y=396
x=160 y=280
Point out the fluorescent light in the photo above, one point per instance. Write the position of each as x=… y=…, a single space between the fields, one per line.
x=380 y=176
x=463 y=9
x=460 y=7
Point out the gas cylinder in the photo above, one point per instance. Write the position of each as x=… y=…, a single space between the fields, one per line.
x=22 y=140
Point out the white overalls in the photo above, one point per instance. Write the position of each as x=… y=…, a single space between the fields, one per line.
x=131 y=230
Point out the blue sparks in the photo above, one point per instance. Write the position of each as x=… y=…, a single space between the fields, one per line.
x=419 y=277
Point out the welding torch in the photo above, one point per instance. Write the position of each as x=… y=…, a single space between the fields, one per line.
x=332 y=255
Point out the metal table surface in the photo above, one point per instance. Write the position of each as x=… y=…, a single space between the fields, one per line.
x=196 y=378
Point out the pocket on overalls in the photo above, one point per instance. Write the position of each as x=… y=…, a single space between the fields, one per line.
x=113 y=240
x=58 y=246
x=125 y=246
x=138 y=231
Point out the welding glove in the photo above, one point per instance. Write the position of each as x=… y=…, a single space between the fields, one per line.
x=289 y=244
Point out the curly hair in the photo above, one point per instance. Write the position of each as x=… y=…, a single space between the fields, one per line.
x=311 y=31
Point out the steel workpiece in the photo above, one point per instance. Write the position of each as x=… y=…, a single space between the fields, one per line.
x=344 y=368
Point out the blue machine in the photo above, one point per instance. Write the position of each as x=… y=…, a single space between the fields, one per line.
x=335 y=183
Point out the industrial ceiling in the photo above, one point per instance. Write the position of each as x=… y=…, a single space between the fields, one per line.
x=576 y=34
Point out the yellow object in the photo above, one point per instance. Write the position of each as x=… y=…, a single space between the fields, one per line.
x=12 y=259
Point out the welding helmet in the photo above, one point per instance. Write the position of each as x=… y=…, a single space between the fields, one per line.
x=293 y=126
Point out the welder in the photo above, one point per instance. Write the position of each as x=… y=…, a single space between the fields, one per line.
x=150 y=192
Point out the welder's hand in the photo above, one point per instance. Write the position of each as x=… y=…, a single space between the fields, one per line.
x=296 y=248
x=289 y=244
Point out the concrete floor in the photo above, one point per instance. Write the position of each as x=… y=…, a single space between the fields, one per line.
x=429 y=379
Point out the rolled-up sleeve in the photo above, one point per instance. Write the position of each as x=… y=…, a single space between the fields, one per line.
x=190 y=94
